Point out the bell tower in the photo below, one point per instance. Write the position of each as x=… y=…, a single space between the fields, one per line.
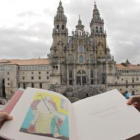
x=60 y=21
x=98 y=33
x=58 y=48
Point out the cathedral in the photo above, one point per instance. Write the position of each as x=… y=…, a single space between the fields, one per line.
x=79 y=65
x=83 y=58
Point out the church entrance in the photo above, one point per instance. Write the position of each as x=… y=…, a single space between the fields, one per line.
x=81 y=77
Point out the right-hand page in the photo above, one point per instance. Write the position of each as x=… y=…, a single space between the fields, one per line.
x=106 y=117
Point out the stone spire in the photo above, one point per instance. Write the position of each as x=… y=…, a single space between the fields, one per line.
x=79 y=21
x=60 y=8
x=60 y=13
x=60 y=23
x=97 y=24
x=80 y=26
x=96 y=15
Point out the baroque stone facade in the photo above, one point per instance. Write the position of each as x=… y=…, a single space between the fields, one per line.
x=82 y=58
x=78 y=66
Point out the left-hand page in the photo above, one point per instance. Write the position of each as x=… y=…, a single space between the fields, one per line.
x=41 y=114
x=9 y=107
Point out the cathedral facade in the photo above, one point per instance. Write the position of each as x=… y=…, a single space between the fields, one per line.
x=82 y=58
x=78 y=66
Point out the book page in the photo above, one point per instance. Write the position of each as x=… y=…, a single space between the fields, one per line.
x=10 y=105
x=106 y=117
x=41 y=114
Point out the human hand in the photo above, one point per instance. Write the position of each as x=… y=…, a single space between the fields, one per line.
x=5 y=116
x=135 y=101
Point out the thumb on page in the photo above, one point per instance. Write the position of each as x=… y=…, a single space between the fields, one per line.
x=5 y=116
x=8 y=118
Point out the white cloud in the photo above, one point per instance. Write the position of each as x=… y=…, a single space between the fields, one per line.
x=26 y=26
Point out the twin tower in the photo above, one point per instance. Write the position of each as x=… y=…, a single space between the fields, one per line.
x=82 y=58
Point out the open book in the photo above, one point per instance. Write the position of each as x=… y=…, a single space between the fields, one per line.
x=46 y=115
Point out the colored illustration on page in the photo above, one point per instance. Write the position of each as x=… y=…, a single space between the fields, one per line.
x=47 y=116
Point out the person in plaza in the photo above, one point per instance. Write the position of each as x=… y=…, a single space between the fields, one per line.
x=135 y=101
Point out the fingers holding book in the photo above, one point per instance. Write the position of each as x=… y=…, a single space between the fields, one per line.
x=5 y=116
x=135 y=101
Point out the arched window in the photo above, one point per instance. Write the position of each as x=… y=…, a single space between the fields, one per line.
x=63 y=27
x=97 y=29
x=57 y=27
x=81 y=59
x=79 y=32
x=81 y=77
x=81 y=49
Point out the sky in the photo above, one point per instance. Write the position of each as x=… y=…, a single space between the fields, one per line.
x=26 y=26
